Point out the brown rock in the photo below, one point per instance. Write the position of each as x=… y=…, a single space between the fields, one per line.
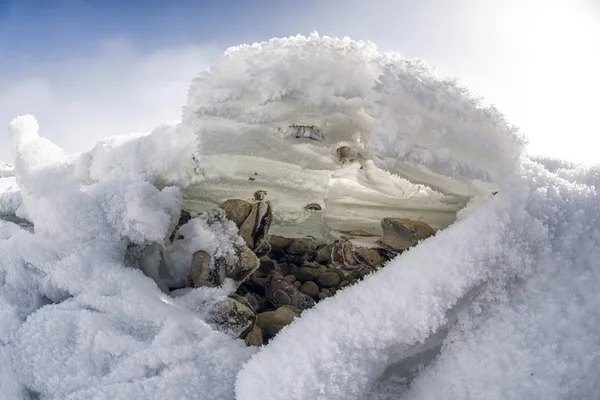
x=370 y=257
x=400 y=234
x=310 y=288
x=327 y=292
x=290 y=278
x=271 y=322
x=267 y=265
x=323 y=255
x=280 y=292
x=279 y=243
x=237 y=210
x=255 y=228
x=328 y=279
x=340 y=273
x=200 y=269
x=307 y=274
x=297 y=284
x=301 y=246
x=344 y=284
x=232 y=317
x=260 y=195
x=254 y=337
x=248 y=263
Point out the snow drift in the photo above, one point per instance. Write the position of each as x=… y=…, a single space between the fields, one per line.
x=502 y=304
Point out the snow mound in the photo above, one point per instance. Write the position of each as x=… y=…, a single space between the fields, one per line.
x=75 y=322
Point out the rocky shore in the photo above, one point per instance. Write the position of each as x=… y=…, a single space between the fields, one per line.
x=276 y=278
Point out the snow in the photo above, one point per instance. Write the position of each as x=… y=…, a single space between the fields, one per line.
x=502 y=303
x=76 y=322
x=6 y=170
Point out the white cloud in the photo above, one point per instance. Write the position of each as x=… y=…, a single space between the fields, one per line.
x=118 y=89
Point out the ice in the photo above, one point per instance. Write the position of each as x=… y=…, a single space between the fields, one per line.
x=502 y=303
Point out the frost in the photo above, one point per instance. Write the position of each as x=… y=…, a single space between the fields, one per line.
x=210 y=232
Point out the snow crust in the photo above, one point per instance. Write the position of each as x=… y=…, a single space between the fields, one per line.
x=502 y=304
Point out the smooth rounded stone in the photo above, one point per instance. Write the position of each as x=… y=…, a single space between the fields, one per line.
x=310 y=288
x=364 y=273
x=280 y=292
x=260 y=195
x=323 y=255
x=353 y=281
x=340 y=273
x=232 y=317
x=301 y=246
x=258 y=279
x=292 y=269
x=271 y=322
x=290 y=278
x=253 y=301
x=254 y=337
x=248 y=263
x=279 y=243
x=263 y=304
x=369 y=256
x=400 y=233
x=307 y=274
x=200 y=269
x=236 y=210
x=328 y=279
x=344 y=283
x=242 y=299
x=255 y=228
x=268 y=265
x=333 y=290
x=322 y=296
x=327 y=292
x=297 y=284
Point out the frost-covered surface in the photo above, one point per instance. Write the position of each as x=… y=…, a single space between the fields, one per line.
x=216 y=237
x=6 y=170
x=10 y=196
x=527 y=263
x=75 y=322
x=503 y=304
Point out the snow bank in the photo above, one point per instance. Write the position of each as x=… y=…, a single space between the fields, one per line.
x=75 y=322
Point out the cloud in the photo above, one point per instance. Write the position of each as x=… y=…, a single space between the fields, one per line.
x=116 y=89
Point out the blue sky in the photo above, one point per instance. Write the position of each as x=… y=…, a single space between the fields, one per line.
x=89 y=69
